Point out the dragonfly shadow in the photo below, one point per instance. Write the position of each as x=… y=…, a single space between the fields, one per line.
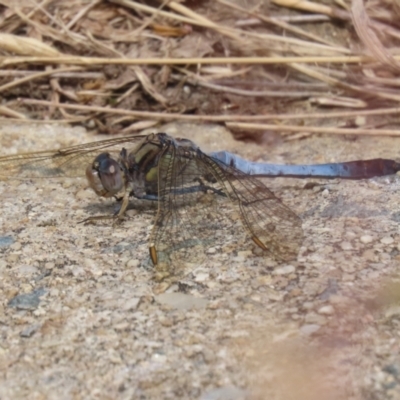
x=342 y=207
x=101 y=208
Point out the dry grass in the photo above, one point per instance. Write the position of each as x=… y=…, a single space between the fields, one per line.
x=126 y=65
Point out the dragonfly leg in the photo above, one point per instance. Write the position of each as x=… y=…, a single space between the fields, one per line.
x=125 y=201
x=96 y=218
x=117 y=217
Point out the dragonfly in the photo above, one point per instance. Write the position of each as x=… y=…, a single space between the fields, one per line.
x=196 y=193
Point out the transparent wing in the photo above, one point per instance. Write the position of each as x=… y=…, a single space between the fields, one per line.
x=174 y=238
x=189 y=223
x=69 y=161
x=271 y=225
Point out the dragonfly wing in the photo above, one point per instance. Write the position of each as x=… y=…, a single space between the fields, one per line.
x=189 y=223
x=190 y=215
x=271 y=225
x=69 y=161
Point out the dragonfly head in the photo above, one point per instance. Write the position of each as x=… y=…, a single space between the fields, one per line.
x=105 y=176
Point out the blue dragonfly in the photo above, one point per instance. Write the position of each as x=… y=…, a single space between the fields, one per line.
x=196 y=193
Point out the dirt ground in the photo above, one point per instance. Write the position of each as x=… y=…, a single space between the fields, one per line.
x=79 y=317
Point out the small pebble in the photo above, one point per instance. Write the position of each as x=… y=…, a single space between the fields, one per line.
x=12 y=258
x=211 y=250
x=346 y=246
x=224 y=393
x=256 y=298
x=84 y=194
x=245 y=253
x=28 y=301
x=131 y=304
x=325 y=193
x=94 y=268
x=264 y=280
x=295 y=293
x=114 y=357
x=274 y=295
x=287 y=269
x=308 y=305
x=133 y=263
x=181 y=301
x=374 y=275
x=360 y=120
x=348 y=277
x=6 y=241
x=309 y=329
x=392 y=311
x=167 y=322
x=366 y=239
x=29 y=331
x=350 y=234
x=91 y=124
x=372 y=184
x=49 y=265
x=131 y=213
x=337 y=299
x=202 y=277
x=16 y=246
x=387 y=240
x=349 y=268
x=369 y=255
x=326 y=310
x=3 y=265
x=313 y=318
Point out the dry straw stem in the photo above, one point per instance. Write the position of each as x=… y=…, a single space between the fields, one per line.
x=348 y=102
x=91 y=61
x=317 y=8
x=11 y=113
x=336 y=82
x=191 y=17
x=240 y=36
x=62 y=35
x=304 y=69
x=38 y=75
x=252 y=93
x=364 y=27
x=75 y=75
x=215 y=118
x=279 y=23
x=141 y=76
x=195 y=79
x=26 y=46
x=313 y=129
x=23 y=119
x=282 y=60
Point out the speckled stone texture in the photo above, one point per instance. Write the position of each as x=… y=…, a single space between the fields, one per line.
x=79 y=317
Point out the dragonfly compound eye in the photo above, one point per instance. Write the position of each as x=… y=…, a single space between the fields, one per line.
x=105 y=176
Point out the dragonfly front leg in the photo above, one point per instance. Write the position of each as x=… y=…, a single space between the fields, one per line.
x=124 y=205
x=117 y=216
